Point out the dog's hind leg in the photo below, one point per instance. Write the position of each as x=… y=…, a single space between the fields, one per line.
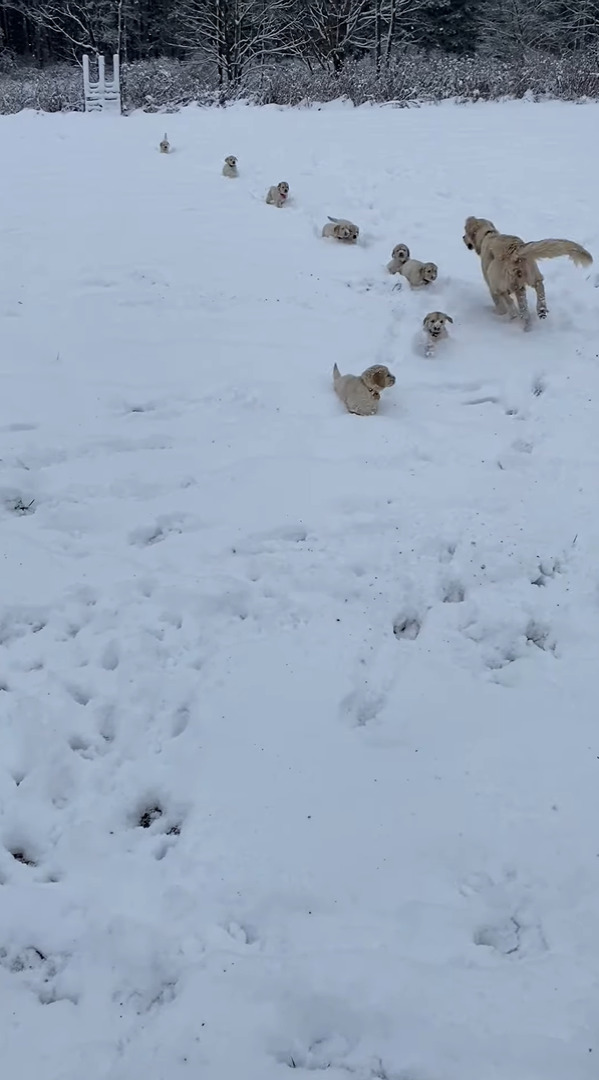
x=500 y=303
x=509 y=305
x=541 y=299
x=523 y=311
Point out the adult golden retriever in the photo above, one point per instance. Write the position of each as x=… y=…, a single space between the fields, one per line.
x=508 y=266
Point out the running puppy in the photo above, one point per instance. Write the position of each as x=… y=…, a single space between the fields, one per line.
x=361 y=393
x=435 y=330
x=416 y=273
x=277 y=195
x=343 y=230
x=164 y=145
x=399 y=256
x=230 y=167
x=509 y=266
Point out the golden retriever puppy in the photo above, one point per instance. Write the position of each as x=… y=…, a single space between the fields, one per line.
x=164 y=145
x=342 y=230
x=230 y=167
x=417 y=273
x=435 y=329
x=361 y=393
x=278 y=194
x=509 y=266
x=399 y=256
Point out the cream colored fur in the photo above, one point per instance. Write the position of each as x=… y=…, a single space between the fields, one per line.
x=416 y=273
x=399 y=255
x=341 y=229
x=361 y=394
x=509 y=266
x=278 y=194
x=230 y=167
x=435 y=329
x=164 y=145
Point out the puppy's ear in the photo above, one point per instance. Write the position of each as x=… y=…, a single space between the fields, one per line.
x=447 y=317
x=378 y=378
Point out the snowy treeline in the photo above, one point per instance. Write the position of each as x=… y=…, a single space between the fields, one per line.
x=291 y=50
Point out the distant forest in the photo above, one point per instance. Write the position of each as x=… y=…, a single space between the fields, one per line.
x=292 y=50
x=237 y=34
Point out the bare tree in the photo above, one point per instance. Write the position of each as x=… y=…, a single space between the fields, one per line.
x=233 y=34
x=84 y=25
x=580 y=20
x=511 y=28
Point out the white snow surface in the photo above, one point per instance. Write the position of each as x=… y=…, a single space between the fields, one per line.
x=342 y=669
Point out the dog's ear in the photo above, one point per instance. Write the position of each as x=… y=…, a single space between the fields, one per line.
x=378 y=378
x=447 y=317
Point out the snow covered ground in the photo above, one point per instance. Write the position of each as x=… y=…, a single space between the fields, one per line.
x=299 y=750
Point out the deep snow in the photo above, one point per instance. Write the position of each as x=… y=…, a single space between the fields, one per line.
x=351 y=661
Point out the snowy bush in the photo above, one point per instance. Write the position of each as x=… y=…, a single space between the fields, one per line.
x=155 y=85
x=53 y=89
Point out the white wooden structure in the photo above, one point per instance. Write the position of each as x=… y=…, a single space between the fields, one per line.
x=103 y=95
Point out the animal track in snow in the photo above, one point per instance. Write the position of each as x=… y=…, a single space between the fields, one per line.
x=21 y=855
x=453 y=592
x=146 y=535
x=512 y=928
x=39 y=972
x=548 y=568
x=154 y=813
x=512 y=936
x=504 y=937
x=407 y=626
x=539 y=634
x=362 y=707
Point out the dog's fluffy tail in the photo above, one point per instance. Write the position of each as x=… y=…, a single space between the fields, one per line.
x=335 y=220
x=336 y=375
x=553 y=249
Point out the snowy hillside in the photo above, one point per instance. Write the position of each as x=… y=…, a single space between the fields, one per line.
x=299 y=747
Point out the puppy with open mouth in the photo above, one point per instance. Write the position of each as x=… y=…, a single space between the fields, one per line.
x=278 y=194
x=434 y=326
x=416 y=273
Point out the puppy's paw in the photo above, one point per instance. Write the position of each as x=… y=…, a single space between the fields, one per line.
x=542 y=313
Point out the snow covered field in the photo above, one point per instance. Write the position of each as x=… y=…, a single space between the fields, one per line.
x=299 y=748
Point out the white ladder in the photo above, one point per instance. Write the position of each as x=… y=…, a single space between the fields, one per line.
x=103 y=95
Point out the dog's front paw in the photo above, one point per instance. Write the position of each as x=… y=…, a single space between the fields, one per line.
x=542 y=313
